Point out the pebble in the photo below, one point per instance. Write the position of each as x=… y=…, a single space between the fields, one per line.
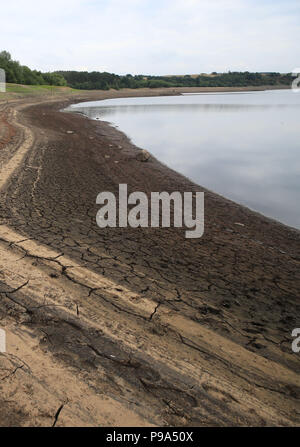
x=143 y=155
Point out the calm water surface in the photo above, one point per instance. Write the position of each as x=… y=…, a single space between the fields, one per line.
x=244 y=146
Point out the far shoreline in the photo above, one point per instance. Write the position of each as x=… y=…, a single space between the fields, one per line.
x=112 y=93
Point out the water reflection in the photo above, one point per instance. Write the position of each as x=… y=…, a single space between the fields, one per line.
x=244 y=146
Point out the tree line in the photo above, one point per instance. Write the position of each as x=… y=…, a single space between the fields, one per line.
x=104 y=81
x=21 y=74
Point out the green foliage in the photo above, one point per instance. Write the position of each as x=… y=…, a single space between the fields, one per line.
x=103 y=81
x=18 y=74
x=54 y=79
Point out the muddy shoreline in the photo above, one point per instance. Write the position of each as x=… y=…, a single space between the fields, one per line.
x=116 y=134
x=136 y=326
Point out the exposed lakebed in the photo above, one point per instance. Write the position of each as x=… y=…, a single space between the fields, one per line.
x=242 y=145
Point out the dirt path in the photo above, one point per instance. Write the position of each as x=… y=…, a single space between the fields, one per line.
x=134 y=327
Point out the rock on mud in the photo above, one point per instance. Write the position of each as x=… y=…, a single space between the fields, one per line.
x=143 y=155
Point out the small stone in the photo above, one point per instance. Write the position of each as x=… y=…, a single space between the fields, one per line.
x=107 y=156
x=239 y=223
x=70 y=131
x=143 y=155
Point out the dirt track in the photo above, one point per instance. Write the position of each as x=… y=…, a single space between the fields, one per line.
x=134 y=326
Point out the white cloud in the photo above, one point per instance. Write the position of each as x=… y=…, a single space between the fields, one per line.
x=152 y=36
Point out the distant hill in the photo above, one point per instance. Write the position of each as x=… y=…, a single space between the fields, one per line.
x=104 y=81
x=21 y=74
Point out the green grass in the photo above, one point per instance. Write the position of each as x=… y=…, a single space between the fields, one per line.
x=21 y=90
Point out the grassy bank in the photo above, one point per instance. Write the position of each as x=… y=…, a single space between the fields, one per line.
x=19 y=90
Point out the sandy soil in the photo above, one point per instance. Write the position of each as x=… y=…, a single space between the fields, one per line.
x=134 y=326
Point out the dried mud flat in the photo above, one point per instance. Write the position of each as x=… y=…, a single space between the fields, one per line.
x=134 y=326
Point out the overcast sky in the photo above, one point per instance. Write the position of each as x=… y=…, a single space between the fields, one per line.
x=153 y=36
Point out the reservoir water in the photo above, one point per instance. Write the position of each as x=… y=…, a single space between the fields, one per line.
x=242 y=145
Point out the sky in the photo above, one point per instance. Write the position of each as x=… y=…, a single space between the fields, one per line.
x=152 y=36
